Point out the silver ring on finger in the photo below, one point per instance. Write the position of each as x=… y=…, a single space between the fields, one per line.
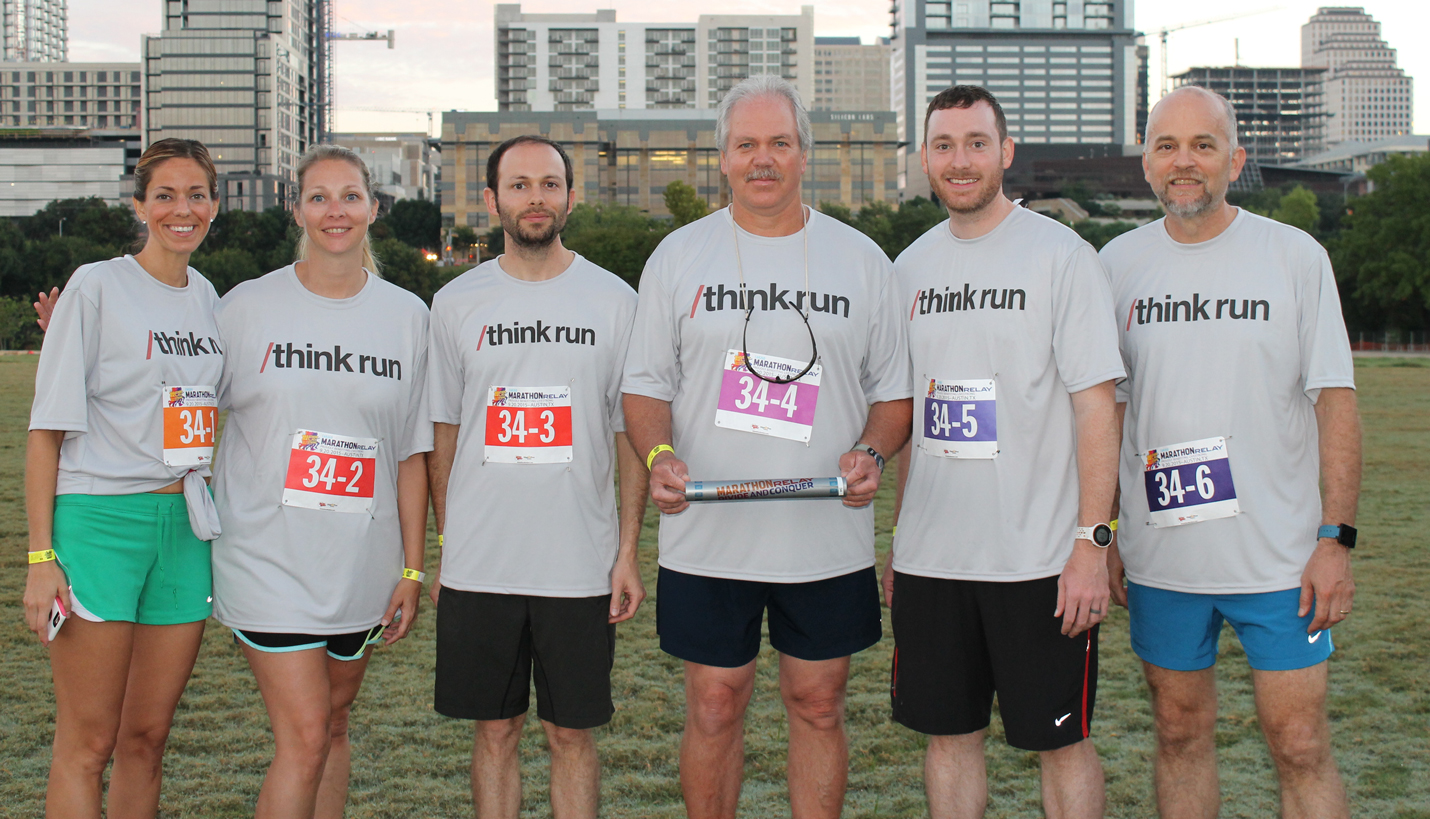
x=1099 y=611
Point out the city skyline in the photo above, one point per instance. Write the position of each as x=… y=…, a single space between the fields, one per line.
x=441 y=63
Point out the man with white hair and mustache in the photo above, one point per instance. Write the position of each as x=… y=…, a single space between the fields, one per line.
x=767 y=344
x=1240 y=463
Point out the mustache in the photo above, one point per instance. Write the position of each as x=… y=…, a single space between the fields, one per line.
x=764 y=173
x=537 y=209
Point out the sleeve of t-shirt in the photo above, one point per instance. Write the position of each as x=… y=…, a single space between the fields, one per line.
x=445 y=379
x=417 y=432
x=68 y=353
x=1084 y=329
x=226 y=336
x=1325 y=347
x=616 y=414
x=888 y=374
x=652 y=358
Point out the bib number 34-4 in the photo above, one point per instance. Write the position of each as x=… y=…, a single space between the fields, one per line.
x=528 y=425
x=961 y=418
x=1189 y=482
x=751 y=404
x=190 y=414
x=330 y=472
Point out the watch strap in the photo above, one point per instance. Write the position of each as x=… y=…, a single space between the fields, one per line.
x=878 y=459
x=1341 y=533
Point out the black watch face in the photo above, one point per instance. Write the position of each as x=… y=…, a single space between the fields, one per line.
x=1102 y=535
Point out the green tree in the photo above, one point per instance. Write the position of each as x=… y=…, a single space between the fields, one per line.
x=684 y=203
x=912 y=220
x=837 y=210
x=1099 y=234
x=49 y=262
x=416 y=222
x=464 y=237
x=269 y=236
x=226 y=267
x=1382 y=255
x=617 y=237
x=17 y=324
x=1298 y=208
x=404 y=266
x=91 y=219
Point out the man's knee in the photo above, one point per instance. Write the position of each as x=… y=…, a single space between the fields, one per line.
x=569 y=741
x=716 y=708
x=1184 y=709
x=1301 y=743
x=821 y=709
x=499 y=734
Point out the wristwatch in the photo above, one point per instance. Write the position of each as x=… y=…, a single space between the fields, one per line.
x=1343 y=534
x=878 y=459
x=1100 y=535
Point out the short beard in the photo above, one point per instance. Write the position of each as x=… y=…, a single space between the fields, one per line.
x=532 y=238
x=1187 y=210
x=992 y=186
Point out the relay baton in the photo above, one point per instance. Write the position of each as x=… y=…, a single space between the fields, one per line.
x=766 y=489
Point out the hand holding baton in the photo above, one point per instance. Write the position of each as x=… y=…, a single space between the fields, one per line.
x=766 y=489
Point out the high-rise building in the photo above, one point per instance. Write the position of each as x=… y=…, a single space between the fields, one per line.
x=1278 y=110
x=850 y=76
x=1367 y=96
x=42 y=164
x=568 y=62
x=36 y=31
x=403 y=166
x=240 y=76
x=79 y=95
x=1065 y=71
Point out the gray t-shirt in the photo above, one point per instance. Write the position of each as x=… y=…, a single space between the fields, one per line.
x=532 y=372
x=1227 y=345
x=1002 y=328
x=684 y=350
x=126 y=360
x=325 y=397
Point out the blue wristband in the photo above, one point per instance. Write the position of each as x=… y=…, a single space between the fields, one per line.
x=1331 y=532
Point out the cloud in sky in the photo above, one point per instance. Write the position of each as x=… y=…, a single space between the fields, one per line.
x=444 y=54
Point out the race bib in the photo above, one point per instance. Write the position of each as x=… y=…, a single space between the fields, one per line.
x=961 y=419
x=529 y=425
x=1189 y=483
x=751 y=404
x=330 y=472
x=189 y=417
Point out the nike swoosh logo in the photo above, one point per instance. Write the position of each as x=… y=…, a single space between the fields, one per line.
x=1314 y=637
x=1059 y=721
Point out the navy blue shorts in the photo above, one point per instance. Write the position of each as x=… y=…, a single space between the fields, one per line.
x=716 y=621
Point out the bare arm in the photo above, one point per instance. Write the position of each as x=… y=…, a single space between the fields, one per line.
x=439 y=470
x=902 y=475
x=627 y=590
x=1327 y=583
x=1116 y=574
x=886 y=430
x=647 y=427
x=412 y=521
x=1083 y=588
x=45 y=580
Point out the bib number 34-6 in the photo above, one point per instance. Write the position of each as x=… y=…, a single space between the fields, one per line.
x=1189 y=483
x=751 y=404
x=529 y=425
x=961 y=418
x=189 y=417
x=330 y=472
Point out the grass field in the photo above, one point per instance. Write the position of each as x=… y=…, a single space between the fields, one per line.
x=409 y=762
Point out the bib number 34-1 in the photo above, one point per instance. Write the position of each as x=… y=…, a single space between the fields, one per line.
x=961 y=418
x=330 y=472
x=1189 y=482
x=190 y=414
x=751 y=404
x=528 y=425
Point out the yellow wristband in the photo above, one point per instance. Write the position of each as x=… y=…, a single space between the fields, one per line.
x=1113 y=525
x=44 y=556
x=413 y=574
x=439 y=541
x=650 y=459
x=895 y=532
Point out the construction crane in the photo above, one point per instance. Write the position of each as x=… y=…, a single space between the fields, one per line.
x=1163 y=32
x=430 y=112
x=327 y=36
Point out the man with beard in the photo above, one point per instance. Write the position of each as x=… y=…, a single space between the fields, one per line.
x=524 y=379
x=767 y=345
x=1240 y=463
x=997 y=579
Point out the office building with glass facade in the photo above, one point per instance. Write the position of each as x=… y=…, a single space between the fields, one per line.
x=82 y=95
x=1278 y=110
x=850 y=76
x=36 y=31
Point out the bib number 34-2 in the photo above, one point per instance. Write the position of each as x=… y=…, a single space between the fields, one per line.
x=1189 y=482
x=334 y=473
x=190 y=414
x=528 y=425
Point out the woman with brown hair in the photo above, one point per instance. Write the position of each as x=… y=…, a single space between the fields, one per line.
x=120 y=443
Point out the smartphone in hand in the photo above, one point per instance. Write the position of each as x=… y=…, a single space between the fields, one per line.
x=58 y=615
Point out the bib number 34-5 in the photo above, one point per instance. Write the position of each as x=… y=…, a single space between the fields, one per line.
x=330 y=472
x=528 y=425
x=1189 y=483
x=189 y=417
x=751 y=404
x=961 y=418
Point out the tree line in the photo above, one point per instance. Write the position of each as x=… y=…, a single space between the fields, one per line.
x=1379 y=243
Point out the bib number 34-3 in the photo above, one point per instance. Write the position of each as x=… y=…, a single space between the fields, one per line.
x=528 y=425
x=1189 y=482
x=751 y=404
x=330 y=472
x=190 y=414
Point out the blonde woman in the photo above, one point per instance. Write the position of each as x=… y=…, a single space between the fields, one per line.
x=121 y=439
x=322 y=479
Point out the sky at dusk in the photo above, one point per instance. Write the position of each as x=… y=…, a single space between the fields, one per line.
x=444 y=54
